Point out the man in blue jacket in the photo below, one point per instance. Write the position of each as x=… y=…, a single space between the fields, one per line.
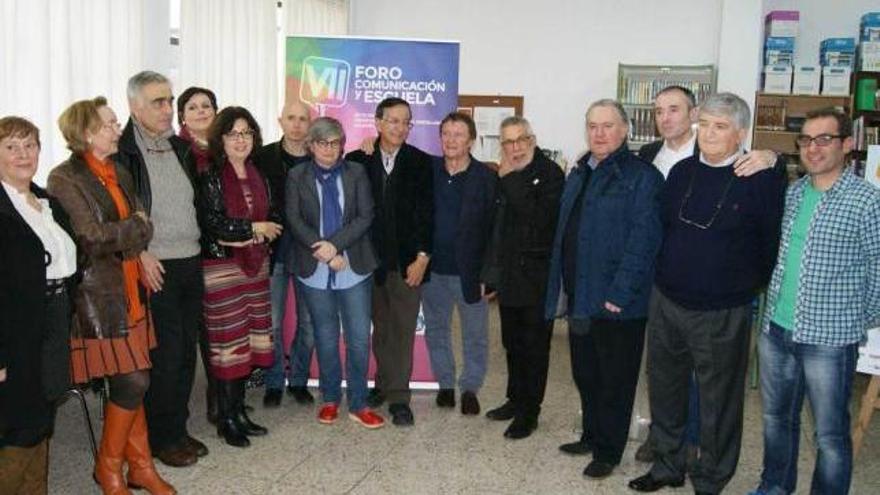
x=607 y=236
x=464 y=195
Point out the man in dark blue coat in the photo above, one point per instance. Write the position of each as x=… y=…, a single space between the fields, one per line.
x=607 y=237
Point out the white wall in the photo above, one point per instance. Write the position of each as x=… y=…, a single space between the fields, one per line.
x=740 y=49
x=822 y=19
x=559 y=55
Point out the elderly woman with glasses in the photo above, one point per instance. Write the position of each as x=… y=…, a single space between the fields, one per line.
x=237 y=220
x=330 y=209
x=38 y=260
x=112 y=333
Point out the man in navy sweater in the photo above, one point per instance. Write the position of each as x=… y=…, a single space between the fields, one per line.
x=721 y=234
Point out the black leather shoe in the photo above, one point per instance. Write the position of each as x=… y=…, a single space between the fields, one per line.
x=301 y=395
x=247 y=426
x=470 y=406
x=446 y=397
x=647 y=483
x=195 y=446
x=375 y=398
x=272 y=398
x=521 y=427
x=576 y=448
x=504 y=412
x=401 y=415
x=598 y=470
x=231 y=432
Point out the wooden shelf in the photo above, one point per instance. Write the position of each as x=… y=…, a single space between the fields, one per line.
x=776 y=109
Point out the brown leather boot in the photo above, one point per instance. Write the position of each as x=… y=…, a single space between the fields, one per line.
x=108 y=466
x=141 y=470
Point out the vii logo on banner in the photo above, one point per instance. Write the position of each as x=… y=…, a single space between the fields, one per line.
x=324 y=82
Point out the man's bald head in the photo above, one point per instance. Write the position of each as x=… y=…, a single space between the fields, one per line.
x=294 y=120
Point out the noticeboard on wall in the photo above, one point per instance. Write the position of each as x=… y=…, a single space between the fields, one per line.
x=488 y=112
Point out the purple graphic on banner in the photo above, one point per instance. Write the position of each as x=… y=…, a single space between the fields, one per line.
x=346 y=78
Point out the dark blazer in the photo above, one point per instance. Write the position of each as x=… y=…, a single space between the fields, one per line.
x=101 y=307
x=526 y=209
x=23 y=326
x=215 y=224
x=404 y=206
x=618 y=237
x=304 y=219
x=474 y=224
x=129 y=157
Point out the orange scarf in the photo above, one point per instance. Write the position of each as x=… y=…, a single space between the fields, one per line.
x=106 y=173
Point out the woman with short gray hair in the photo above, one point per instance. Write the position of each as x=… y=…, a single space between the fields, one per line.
x=330 y=210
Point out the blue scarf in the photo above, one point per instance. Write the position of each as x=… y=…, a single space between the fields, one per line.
x=331 y=213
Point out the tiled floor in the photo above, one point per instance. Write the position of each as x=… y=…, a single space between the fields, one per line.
x=444 y=453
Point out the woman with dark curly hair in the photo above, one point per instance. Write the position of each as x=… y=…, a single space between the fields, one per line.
x=237 y=221
x=196 y=109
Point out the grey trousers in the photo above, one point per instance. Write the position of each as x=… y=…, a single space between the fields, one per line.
x=395 y=311
x=716 y=345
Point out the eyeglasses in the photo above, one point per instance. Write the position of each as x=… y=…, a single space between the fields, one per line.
x=718 y=205
x=111 y=126
x=240 y=135
x=396 y=122
x=804 y=141
x=327 y=144
x=522 y=141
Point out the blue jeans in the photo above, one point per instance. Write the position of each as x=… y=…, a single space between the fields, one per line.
x=303 y=343
x=825 y=374
x=439 y=295
x=353 y=306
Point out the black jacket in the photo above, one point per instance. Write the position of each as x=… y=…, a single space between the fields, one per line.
x=130 y=157
x=22 y=320
x=474 y=225
x=215 y=224
x=526 y=211
x=404 y=206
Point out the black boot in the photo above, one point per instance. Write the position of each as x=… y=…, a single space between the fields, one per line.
x=240 y=415
x=227 y=425
x=211 y=400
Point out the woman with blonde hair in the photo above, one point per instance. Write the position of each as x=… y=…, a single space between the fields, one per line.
x=111 y=333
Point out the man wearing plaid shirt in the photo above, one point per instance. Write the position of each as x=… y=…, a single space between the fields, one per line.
x=823 y=295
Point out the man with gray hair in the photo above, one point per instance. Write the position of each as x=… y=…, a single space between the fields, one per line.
x=602 y=261
x=164 y=174
x=721 y=234
x=526 y=206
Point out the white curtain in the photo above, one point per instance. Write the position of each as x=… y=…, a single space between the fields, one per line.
x=55 y=52
x=231 y=47
x=316 y=17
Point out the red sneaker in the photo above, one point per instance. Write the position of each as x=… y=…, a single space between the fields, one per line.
x=328 y=414
x=367 y=418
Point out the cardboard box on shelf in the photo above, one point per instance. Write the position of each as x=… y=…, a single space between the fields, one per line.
x=807 y=80
x=782 y=23
x=778 y=51
x=777 y=79
x=837 y=52
x=869 y=56
x=869 y=27
x=835 y=81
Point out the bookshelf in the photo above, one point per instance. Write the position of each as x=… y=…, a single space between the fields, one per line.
x=866 y=120
x=637 y=85
x=778 y=120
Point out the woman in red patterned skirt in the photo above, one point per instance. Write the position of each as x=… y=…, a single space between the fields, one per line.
x=111 y=333
x=237 y=222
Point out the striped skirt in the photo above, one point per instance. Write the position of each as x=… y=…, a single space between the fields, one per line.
x=238 y=318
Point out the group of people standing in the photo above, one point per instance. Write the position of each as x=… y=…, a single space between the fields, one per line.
x=148 y=245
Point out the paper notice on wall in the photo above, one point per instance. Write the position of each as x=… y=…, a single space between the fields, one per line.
x=487 y=147
x=869 y=354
